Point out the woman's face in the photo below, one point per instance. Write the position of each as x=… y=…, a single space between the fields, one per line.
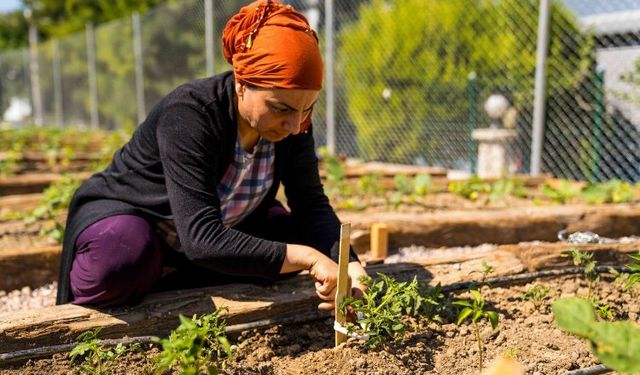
x=274 y=113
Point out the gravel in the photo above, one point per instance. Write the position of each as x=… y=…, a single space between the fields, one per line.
x=27 y=298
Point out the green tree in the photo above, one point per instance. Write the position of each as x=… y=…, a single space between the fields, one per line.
x=13 y=30
x=407 y=62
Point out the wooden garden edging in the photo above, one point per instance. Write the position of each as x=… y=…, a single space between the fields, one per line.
x=504 y=226
x=33 y=182
x=157 y=314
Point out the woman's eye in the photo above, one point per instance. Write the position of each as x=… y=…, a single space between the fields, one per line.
x=279 y=110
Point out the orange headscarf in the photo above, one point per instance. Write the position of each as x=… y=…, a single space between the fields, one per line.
x=271 y=45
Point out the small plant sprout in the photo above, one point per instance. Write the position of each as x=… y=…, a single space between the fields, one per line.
x=476 y=310
x=511 y=353
x=96 y=359
x=197 y=346
x=485 y=270
x=536 y=294
x=422 y=184
x=585 y=259
x=560 y=194
x=470 y=189
x=603 y=310
x=384 y=304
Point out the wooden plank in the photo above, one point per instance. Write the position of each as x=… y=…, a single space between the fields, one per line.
x=343 y=280
x=31 y=267
x=33 y=182
x=505 y=226
x=535 y=256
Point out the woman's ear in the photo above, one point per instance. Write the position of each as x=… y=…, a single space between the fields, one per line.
x=240 y=89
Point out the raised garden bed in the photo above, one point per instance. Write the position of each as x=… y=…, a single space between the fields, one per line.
x=525 y=332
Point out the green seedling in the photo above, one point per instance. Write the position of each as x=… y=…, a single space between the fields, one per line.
x=91 y=357
x=634 y=277
x=384 y=305
x=561 y=194
x=485 y=270
x=476 y=310
x=422 y=184
x=585 y=259
x=335 y=173
x=603 y=310
x=616 y=344
x=403 y=184
x=507 y=187
x=536 y=294
x=197 y=346
x=511 y=353
x=370 y=185
x=613 y=191
x=470 y=189
x=623 y=280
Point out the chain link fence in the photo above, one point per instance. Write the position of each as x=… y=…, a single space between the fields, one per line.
x=411 y=77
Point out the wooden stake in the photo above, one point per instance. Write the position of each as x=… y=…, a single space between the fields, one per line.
x=343 y=278
x=379 y=241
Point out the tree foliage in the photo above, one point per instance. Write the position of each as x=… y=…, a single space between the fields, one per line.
x=406 y=64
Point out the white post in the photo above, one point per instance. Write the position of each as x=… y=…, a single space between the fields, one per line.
x=57 y=83
x=137 y=52
x=34 y=70
x=328 y=63
x=208 y=35
x=93 y=86
x=540 y=88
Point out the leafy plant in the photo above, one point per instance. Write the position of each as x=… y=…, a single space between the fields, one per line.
x=603 y=310
x=370 y=184
x=536 y=294
x=486 y=269
x=422 y=184
x=385 y=303
x=470 y=189
x=506 y=187
x=198 y=345
x=476 y=310
x=585 y=259
x=97 y=359
x=613 y=191
x=634 y=277
x=561 y=194
x=616 y=344
x=403 y=184
x=335 y=173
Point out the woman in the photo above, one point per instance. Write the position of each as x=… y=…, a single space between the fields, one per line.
x=190 y=199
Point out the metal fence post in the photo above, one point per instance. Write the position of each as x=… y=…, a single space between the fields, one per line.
x=34 y=71
x=540 y=88
x=137 y=52
x=208 y=37
x=93 y=87
x=328 y=33
x=597 y=123
x=472 y=96
x=57 y=83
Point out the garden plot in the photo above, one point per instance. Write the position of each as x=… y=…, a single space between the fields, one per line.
x=525 y=329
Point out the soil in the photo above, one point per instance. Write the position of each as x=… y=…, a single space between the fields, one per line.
x=525 y=332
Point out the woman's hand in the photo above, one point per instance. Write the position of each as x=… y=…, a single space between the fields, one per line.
x=355 y=272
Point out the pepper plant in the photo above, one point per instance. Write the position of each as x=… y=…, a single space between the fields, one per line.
x=198 y=345
x=536 y=294
x=475 y=310
x=585 y=259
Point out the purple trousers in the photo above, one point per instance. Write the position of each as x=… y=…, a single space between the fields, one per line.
x=119 y=259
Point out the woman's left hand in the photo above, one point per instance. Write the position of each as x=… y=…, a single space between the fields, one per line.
x=356 y=270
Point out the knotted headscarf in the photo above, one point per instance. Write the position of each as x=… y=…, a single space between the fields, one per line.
x=271 y=45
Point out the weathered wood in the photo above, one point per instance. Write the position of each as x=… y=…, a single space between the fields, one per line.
x=31 y=267
x=33 y=182
x=535 y=256
x=20 y=202
x=379 y=241
x=460 y=228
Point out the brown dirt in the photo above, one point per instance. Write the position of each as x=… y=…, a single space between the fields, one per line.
x=525 y=332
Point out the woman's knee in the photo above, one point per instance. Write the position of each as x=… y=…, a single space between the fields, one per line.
x=117 y=259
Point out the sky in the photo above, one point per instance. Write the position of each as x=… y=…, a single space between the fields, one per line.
x=9 y=5
x=588 y=7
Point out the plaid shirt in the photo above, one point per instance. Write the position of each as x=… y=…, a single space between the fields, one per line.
x=242 y=188
x=246 y=181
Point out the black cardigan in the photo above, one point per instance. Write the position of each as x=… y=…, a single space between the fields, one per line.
x=170 y=170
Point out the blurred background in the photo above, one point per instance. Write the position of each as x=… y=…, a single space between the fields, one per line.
x=427 y=82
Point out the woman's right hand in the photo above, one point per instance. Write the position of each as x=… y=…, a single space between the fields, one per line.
x=323 y=270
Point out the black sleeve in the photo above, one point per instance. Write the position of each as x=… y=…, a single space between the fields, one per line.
x=189 y=146
x=318 y=224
